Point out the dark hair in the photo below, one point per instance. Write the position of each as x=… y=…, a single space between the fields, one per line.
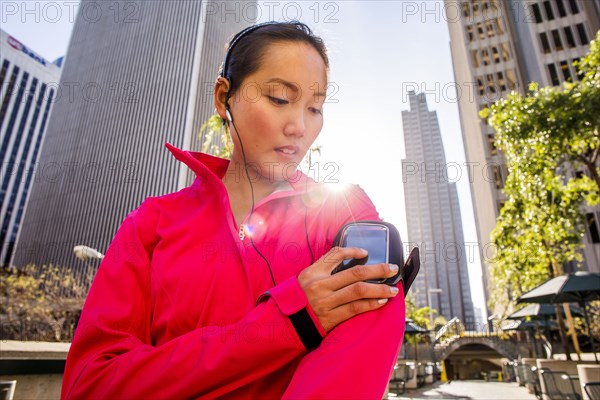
x=248 y=52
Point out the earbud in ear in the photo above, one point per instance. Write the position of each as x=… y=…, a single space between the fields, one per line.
x=228 y=114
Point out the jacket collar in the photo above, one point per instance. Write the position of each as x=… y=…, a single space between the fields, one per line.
x=205 y=164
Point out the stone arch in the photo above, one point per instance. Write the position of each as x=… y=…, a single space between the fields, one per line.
x=492 y=343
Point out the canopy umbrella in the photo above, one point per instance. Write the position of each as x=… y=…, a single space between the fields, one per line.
x=541 y=311
x=547 y=324
x=579 y=287
x=532 y=325
x=414 y=329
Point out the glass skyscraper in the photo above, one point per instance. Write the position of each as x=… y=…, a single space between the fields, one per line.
x=137 y=74
x=28 y=86
x=433 y=216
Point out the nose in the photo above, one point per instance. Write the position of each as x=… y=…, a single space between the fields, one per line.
x=295 y=124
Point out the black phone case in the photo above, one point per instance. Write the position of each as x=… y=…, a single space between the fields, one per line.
x=408 y=271
x=411 y=269
x=395 y=255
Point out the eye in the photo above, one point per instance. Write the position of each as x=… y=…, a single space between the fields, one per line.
x=277 y=100
x=316 y=111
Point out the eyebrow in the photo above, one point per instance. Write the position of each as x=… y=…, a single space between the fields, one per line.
x=292 y=86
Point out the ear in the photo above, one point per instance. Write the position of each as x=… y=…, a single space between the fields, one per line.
x=221 y=89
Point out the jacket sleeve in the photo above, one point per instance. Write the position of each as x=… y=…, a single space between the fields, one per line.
x=356 y=359
x=113 y=356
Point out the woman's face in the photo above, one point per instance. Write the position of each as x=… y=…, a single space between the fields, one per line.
x=278 y=110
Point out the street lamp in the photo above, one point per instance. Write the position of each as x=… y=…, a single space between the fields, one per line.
x=429 y=291
x=84 y=253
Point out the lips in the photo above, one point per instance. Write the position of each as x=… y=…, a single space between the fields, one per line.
x=289 y=150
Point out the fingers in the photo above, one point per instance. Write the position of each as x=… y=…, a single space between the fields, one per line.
x=362 y=273
x=349 y=310
x=361 y=291
x=336 y=255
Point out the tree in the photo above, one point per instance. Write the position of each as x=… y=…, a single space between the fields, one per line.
x=216 y=137
x=33 y=304
x=420 y=316
x=547 y=137
x=550 y=139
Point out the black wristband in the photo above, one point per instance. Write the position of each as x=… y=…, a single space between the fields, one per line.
x=306 y=329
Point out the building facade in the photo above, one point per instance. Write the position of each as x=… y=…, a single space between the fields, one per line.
x=433 y=216
x=136 y=75
x=499 y=46
x=27 y=87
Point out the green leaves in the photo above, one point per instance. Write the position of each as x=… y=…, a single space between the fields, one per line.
x=217 y=140
x=550 y=139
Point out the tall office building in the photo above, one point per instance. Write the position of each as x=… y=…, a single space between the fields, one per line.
x=27 y=88
x=433 y=216
x=137 y=74
x=500 y=46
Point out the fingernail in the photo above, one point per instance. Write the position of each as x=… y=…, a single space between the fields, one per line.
x=393 y=268
x=382 y=301
x=363 y=250
x=394 y=290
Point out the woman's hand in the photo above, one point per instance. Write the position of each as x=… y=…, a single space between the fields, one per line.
x=336 y=298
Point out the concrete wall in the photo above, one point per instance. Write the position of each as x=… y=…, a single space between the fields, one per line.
x=33 y=387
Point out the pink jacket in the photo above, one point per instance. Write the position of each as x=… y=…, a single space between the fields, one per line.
x=173 y=311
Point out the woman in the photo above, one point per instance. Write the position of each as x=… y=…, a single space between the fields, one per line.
x=224 y=289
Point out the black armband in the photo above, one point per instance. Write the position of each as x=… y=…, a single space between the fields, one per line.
x=306 y=329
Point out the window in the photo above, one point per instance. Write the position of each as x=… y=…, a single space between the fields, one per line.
x=579 y=74
x=466 y=9
x=492 y=144
x=574 y=8
x=512 y=79
x=490 y=28
x=475 y=56
x=560 y=6
x=480 y=31
x=557 y=42
x=569 y=36
x=496 y=54
x=497 y=176
x=491 y=84
x=485 y=56
x=470 y=32
x=564 y=66
x=583 y=38
x=499 y=26
x=553 y=74
x=505 y=52
x=593 y=228
x=480 y=85
x=545 y=43
x=5 y=64
x=535 y=8
x=548 y=8
x=501 y=81
x=8 y=94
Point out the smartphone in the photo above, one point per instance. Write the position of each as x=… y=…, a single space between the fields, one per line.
x=371 y=236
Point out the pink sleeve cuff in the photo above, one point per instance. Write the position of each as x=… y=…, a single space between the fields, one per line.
x=290 y=298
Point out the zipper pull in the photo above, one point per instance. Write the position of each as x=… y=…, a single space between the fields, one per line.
x=242 y=233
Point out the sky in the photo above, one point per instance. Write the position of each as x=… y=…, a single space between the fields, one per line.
x=378 y=50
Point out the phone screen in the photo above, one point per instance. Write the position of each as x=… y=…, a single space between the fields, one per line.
x=374 y=239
